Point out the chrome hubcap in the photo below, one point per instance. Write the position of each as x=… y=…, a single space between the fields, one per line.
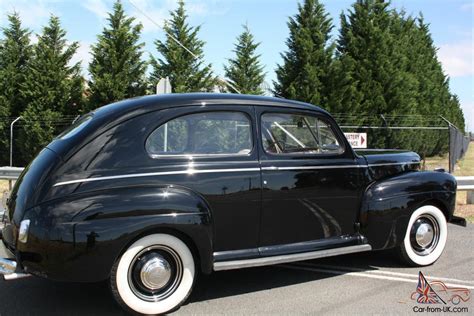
x=424 y=234
x=156 y=273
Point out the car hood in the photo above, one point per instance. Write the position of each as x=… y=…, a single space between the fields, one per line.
x=385 y=163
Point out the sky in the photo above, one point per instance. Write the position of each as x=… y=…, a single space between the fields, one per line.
x=451 y=25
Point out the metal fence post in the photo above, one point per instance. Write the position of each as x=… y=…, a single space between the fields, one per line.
x=450 y=154
x=11 y=148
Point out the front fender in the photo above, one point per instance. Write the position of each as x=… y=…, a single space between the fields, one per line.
x=389 y=203
x=94 y=229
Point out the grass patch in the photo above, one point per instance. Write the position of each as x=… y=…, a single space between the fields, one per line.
x=464 y=167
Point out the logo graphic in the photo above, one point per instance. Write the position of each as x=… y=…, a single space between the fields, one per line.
x=437 y=292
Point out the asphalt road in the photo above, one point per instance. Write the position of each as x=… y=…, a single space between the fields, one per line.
x=365 y=283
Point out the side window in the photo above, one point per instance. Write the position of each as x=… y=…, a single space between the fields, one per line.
x=295 y=133
x=208 y=133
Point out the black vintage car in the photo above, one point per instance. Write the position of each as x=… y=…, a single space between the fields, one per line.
x=150 y=191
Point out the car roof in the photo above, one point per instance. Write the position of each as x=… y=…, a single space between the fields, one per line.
x=163 y=101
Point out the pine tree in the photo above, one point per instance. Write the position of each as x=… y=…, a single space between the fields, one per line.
x=304 y=73
x=387 y=64
x=372 y=55
x=433 y=96
x=52 y=89
x=187 y=72
x=15 y=55
x=117 y=69
x=245 y=71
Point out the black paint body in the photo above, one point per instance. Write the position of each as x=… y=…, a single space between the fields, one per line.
x=264 y=208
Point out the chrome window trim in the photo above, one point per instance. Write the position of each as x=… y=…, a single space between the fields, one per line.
x=317 y=115
x=191 y=155
x=199 y=171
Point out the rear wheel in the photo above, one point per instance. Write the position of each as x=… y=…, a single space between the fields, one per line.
x=425 y=237
x=155 y=275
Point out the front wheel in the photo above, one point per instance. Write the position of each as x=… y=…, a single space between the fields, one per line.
x=425 y=237
x=155 y=275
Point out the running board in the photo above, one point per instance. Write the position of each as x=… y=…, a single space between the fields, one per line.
x=257 y=262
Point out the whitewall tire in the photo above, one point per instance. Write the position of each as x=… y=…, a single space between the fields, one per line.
x=155 y=275
x=425 y=237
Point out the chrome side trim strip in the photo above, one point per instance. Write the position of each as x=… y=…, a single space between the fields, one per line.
x=313 y=167
x=394 y=164
x=197 y=171
x=247 y=263
x=153 y=174
x=338 y=167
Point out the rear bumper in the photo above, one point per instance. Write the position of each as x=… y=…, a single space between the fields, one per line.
x=9 y=268
x=8 y=264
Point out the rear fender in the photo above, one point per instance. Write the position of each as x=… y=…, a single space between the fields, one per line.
x=389 y=203
x=99 y=226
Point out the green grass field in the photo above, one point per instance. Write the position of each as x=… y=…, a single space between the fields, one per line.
x=465 y=167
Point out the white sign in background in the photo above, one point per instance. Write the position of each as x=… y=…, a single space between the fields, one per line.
x=357 y=140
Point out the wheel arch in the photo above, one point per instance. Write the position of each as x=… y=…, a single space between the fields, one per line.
x=389 y=203
x=203 y=260
x=98 y=225
x=441 y=205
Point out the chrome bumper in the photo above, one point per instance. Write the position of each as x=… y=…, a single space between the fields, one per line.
x=8 y=266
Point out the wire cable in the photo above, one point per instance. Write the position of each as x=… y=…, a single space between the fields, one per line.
x=180 y=44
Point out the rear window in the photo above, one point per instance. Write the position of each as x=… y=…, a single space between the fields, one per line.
x=75 y=127
x=209 y=133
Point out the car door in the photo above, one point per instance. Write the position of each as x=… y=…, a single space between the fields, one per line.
x=219 y=144
x=311 y=181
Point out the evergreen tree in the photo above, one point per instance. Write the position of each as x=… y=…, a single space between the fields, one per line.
x=187 y=73
x=52 y=89
x=117 y=69
x=432 y=92
x=304 y=73
x=386 y=63
x=245 y=71
x=372 y=55
x=15 y=55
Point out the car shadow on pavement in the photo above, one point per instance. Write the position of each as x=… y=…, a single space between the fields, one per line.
x=236 y=282
x=43 y=297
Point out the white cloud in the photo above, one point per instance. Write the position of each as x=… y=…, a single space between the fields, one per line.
x=469 y=6
x=82 y=55
x=468 y=110
x=98 y=7
x=33 y=13
x=457 y=58
x=151 y=13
